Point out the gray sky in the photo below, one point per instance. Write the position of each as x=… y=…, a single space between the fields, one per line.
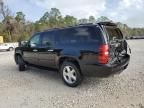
x=130 y=12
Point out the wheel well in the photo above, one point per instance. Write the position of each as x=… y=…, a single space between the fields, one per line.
x=69 y=59
x=17 y=55
x=10 y=48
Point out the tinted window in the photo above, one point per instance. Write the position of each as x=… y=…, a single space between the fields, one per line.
x=48 y=39
x=88 y=33
x=35 y=40
x=79 y=34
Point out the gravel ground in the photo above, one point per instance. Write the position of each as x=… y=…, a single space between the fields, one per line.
x=37 y=88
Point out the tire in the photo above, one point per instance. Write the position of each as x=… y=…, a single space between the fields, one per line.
x=21 y=64
x=10 y=49
x=70 y=74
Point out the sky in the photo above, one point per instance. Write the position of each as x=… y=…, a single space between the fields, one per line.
x=130 y=12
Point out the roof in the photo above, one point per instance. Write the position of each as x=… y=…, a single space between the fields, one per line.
x=81 y=25
x=87 y=24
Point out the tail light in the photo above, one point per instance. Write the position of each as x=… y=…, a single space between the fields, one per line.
x=103 y=54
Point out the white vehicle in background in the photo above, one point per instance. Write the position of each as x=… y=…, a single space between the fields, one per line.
x=7 y=46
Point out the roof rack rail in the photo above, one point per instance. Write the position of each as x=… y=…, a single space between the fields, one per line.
x=68 y=26
x=85 y=23
x=107 y=23
x=51 y=29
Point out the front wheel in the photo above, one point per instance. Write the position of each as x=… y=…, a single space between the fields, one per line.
x=21 y=64
x=70 y=74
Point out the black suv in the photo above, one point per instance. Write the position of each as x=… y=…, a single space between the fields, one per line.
x=89 y=49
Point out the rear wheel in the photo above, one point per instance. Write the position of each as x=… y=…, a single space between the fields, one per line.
x=70 y=74
x=21 y=64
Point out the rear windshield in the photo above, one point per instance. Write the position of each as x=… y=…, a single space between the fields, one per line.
x=114 y=33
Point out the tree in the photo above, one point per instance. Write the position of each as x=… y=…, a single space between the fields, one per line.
x=55 y=13
x=50 y=19
x=103 y=19
x=20 y=17
x=92 y=19
x=7 y=19
x=4 y=10
x=10 y=28
x=45 y=18
x=125 y=29
x=55 y=17
x=83 y=21
x=15 y=28
x=70 y=20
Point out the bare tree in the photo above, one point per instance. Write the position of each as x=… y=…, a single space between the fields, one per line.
x=7 y=19
x=4 y=10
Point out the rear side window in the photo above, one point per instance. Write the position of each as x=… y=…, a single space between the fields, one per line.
x=79 y=34
x=114 y=33
x=47 y=39
x=88 y=33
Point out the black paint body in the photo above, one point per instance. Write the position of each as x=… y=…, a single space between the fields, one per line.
x=80 y=49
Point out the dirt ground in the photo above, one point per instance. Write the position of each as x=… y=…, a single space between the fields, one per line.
x=36 y=88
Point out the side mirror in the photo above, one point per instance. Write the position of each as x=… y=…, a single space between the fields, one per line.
x=22 y=43
x=33 y=45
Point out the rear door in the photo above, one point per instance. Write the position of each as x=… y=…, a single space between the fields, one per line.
x=117 y=44
x=47 y=52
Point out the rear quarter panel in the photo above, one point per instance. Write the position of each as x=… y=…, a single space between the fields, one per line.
x=85 y=53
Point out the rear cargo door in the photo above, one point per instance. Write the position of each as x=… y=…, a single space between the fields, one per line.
x=117 y=44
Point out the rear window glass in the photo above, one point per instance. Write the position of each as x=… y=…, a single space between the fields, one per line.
x=114 y=33
x=79 y=34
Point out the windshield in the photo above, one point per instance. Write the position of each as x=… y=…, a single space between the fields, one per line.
x=114 y=33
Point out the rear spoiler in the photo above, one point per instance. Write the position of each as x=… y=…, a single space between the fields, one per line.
x=107 y=23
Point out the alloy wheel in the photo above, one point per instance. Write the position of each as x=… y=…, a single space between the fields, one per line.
x=69 y=74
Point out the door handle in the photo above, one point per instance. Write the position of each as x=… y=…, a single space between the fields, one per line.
x=35 y=50
x=50 y=50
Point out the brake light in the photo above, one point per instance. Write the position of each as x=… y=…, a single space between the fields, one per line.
x=103 y=54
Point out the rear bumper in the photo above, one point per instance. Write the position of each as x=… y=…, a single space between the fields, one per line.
x=105 y=70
